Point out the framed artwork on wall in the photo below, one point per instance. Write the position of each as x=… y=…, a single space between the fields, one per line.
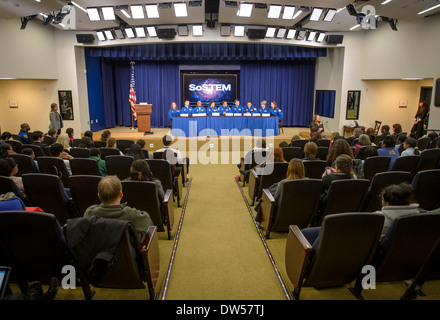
x=65 y=104
x=353 y=104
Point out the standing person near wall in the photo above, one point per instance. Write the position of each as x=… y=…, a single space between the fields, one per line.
x=56 y=121
x=419 y=120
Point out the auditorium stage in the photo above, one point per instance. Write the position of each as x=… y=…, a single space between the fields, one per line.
x=154 y=141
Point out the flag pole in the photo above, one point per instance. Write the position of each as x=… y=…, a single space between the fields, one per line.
x=132 y=115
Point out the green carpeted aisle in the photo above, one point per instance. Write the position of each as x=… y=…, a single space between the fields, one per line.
x=219 y=253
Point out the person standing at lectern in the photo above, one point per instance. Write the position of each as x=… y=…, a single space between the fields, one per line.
x=186 y=109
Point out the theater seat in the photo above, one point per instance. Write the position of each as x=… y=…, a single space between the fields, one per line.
x=345 y=244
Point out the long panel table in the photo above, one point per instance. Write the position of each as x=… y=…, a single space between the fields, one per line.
x=225 y=126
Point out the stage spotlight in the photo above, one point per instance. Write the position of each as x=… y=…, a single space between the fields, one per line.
x=48 y=19
x=25 y=20
x=392 y=22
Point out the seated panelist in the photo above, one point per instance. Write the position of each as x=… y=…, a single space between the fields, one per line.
x=173 y=112
x=264 y=108
x=237 y=108
x=211 y=108
x=199 y=109
x=250 y=108
x=225 y=108
x=275 y=111
x=186 y=109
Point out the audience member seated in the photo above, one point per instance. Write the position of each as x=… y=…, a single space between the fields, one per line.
x=397 y=130
x=111 y=143
x=5 y=150
x=333 y=136
x=278 y=155
x=57 y=150
x=363 y=141
x=38 y=137
x=135 y=151
x=95 y=154
x=8 y=168
x=356 y=134
x=369 y=131
x=142 y=143
x=105 y=135
x=294 y=137
x=64 y=140
x=388 y=150
x=410 y=148
x=341 y=146
x=24 y=129
x=260 y=145
x=399 y=142
x=89 y=134
x=71 y=133
x=370 y=151
x=432 y=136
x=31 y=153
x=52 y=133
x=397 y=201
x=295 y=171
x=85 y=142
x=385 y=132
x=140 y=171
x=310 y=151
x=5 y=137
x=283 y=144
x=110 y=195
x=317 y=136
x=167 y=141
x=343 y=169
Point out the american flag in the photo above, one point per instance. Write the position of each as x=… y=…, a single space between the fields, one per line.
x=132 y=97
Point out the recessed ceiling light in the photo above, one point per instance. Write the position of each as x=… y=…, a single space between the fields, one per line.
x=108 y=13
x=288 y=12
x=316 y=14
x=291 y=34
x=197 y=30
x=152 y=31
x=180 y=9
x=140 y=32
x=321 y=37
x=281 y=32
x=152 y=11
x=100 y=35
x=137 y=12
x=129 y=32
x=93 y=14
x=239 y=31
x=329 y=15
x=109 y=34
x=245 y=10
x=311 y=36
x=274 y=12
x=270 y=32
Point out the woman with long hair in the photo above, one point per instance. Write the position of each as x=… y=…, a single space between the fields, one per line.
x=135 y=151
x=105 y=135
x=419 y=120
x=316 y=125
x=340 y=146
x=64 y=140
x=173 y=112
x=56 y=121
x=140 y=171
x=343 y=170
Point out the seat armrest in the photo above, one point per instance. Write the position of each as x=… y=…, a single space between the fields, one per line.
x=167 y=196
x=298 y=252
x=169 y=211
x=150 y=251
x=267 y=209
x=252 y=187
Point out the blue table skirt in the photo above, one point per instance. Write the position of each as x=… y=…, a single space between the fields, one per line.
x=224 y=126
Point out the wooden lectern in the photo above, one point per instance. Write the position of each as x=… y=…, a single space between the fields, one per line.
x=143 y=112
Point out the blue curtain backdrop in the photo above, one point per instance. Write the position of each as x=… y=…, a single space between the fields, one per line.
x=285 y=74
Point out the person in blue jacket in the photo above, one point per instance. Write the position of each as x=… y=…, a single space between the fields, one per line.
x=186 y=109
x=24 y=129
x=276 y=111
x=250 y=108
x=173 y=112
x=237 y=108
x=226 y=108
x=211 y=108
x=199 y=109
x=264 y=108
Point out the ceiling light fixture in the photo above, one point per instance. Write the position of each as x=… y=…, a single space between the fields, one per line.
x=93 y=14
x=182 y=30
x=274 y=11
x=129 y=32
x=245 y=10
x=321 y=37
x=291 y=34
x=109 y=34
x=270 y=32
x=385 y=2
x=427 y=10
x=316 y=14
x=137 y=11
x=180 y=9
x=288 y=12
x=78 y=6
x=152 y=31
x=329 y=15
x=238 y=31
x=100 y=35
x=281 y=32
x=108 y=13
x=311 y=36
x=197 y=30
x=354 y=27
x=140 y=32
x=152 y=11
